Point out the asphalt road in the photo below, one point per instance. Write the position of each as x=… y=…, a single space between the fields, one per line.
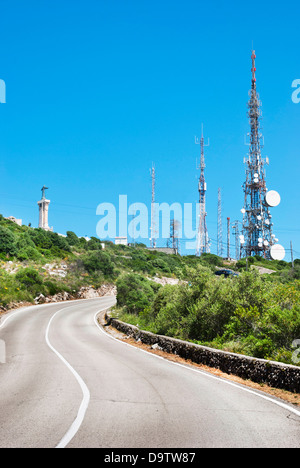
x=66 y=383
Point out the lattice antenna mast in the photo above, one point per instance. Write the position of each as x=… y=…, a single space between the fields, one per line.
x=235 y=228
x=174 y=235
x=153 y=227
x=257 y=237
x=202 y=234
x=220 y=230
x=228 y=238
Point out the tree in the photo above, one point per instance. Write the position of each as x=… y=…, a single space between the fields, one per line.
x=7 y=241
x=72 y=238
x=134 y=292
x=98 y=261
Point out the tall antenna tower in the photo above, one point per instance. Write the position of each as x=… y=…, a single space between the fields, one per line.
x=228 y=238
x=235 y=228
x=153 y=227
x=174 y=236
x=257 y=237
x=220 y=231
x=202 y=235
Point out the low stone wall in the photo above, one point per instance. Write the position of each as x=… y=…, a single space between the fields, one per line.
x=275 y=374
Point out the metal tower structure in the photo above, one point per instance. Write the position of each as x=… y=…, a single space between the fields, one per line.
x=256 y=237
x=228 y=238
x=235 y=228
x=153 y=228
x=220 y=230
x=202 y=234
x=174 y=236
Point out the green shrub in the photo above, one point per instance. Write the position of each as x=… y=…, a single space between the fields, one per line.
x=7 y=241
x=134 y=292
x=30 y=279
x=98 y=261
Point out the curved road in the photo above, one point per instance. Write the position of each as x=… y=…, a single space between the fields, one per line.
x=66 y=383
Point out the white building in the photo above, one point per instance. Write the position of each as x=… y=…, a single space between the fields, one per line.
x=15 y=220
x=121 y=240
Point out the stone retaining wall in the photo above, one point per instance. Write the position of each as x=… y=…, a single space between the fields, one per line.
x=275 y=374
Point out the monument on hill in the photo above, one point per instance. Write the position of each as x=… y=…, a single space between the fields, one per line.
x=43 y=211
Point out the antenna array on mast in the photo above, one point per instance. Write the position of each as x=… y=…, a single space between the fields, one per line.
x=202 y=234
x=153 y=227
x=257 y=237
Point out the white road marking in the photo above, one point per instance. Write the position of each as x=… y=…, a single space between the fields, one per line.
x=206 y=374
x=85 y=391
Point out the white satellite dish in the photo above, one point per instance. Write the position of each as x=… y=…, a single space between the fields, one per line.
x=272 y=198
x=277 y=252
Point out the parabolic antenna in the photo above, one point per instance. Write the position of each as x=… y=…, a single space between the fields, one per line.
x=277 y=252
x=272 y=198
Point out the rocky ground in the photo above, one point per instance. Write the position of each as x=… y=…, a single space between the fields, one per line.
x=86 y=292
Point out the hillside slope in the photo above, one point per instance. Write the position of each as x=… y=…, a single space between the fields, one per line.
x=252 y=313
x=34 y=262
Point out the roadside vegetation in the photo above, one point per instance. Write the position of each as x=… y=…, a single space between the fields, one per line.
x=252 y=313
x=249 y=314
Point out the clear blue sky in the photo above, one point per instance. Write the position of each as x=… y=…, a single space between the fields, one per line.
x=98 y=90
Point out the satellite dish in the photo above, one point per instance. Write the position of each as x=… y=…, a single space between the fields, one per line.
x=272 y=198
x=243 y=210
x=277 y=252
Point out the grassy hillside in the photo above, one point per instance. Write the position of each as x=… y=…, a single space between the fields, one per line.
x=252 y=313
x=34 y=262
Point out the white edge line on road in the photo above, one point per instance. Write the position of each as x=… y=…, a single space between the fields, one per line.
x=85 y=391
x=206 y=374
x=9 y=314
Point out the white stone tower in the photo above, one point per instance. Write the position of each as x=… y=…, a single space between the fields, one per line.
x=43 y=211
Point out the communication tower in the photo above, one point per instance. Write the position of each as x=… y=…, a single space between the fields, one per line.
x=202 y=234
x=153 y=224
x=220 y=230
x=257 y=237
